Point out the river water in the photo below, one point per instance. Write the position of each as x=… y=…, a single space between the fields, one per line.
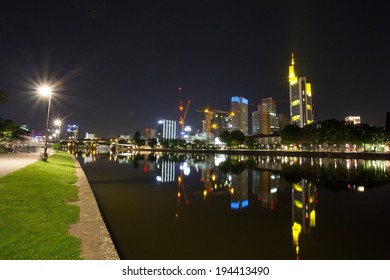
x=194 y=206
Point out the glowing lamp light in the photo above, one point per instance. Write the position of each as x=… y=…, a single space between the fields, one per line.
x=45 y=90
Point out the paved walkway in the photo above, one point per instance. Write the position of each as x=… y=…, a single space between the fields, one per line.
x=96 y=243
x=12 y=162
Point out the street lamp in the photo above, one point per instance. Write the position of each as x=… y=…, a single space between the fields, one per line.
x=46 y=91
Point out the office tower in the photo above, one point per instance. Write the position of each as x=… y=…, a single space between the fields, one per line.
x=240 y=114
x=220 y=121
x=283 y=120
x=256 y=121
x=301 y=106
x=352 y=119
x=269 y=121
x=72 y=131
x=150 y=133
x=166 y=130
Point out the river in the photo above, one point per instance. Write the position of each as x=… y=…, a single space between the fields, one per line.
x=197 y=206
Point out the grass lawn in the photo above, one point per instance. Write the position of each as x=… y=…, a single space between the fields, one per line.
x=34 y=214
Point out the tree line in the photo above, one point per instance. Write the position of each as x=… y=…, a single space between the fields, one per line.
x=334 y=134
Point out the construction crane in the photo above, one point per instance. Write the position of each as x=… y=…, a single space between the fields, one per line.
x=181 y=109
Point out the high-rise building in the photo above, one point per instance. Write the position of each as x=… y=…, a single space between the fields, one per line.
x=283 y=120
x=256 y=121
x=166 y=130
x=353 y=119
x=72 y=131
x=301 y=106
x=269 y=121
x=240 y=114
x=150 y=133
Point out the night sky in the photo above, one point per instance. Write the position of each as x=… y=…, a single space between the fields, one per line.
x=117 y=64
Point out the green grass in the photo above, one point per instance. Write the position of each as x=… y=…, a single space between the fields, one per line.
x=35 y=214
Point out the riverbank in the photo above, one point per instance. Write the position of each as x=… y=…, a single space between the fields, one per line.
x=48 y=211
x=317 y=154
x=35 y=212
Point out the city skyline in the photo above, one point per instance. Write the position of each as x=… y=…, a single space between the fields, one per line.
x=118 y=65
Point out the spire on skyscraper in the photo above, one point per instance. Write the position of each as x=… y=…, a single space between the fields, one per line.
x=292 y=58
x=291 y=72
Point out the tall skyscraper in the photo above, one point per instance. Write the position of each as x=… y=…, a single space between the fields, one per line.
x=166 y=130
x=269 y=121
x=283 y=120
x=301 y=106
x=150 y=133
x=256 y=122
x=240 y=114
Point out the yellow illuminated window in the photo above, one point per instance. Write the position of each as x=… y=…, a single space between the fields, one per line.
x=308 y=89
x=295 y=118
x=293 y=80
x=295 y=103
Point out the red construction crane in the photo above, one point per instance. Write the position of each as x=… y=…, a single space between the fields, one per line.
x=182 y=118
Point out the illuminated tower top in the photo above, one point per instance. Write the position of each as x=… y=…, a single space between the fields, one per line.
x=291 y=74
x=301 y=106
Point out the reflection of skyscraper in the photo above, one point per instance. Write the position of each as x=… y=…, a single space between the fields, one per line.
x=301 y=107
x=303 y=209
x=239 y=191
x=265 y=186
x=166 y=171
x=240 y=114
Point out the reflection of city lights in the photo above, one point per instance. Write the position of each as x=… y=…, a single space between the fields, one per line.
x=360 y=188
x=274 y=190
x=298 y=203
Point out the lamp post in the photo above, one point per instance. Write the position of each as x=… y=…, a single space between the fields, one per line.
x=46 y=91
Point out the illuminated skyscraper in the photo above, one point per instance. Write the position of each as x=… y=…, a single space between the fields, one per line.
x=240 y=114
x=166 y=130
x=256 y=122
x=269 y=121
x=301 y=106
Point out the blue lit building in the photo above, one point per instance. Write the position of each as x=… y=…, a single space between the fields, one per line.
x=240 y=114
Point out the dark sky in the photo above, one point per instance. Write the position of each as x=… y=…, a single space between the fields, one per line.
x=117 y=64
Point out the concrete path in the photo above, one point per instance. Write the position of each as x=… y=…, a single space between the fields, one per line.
x=96 y=243
x=12 y=162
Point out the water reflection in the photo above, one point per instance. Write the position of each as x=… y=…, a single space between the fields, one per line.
x=258 y=182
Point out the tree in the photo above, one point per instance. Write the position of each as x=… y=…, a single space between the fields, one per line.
x=238 y=138
x=291 y=134
x=152 y=142
x=250 y=142
x=137 y=139
x=225 y=137
x=8 y=130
